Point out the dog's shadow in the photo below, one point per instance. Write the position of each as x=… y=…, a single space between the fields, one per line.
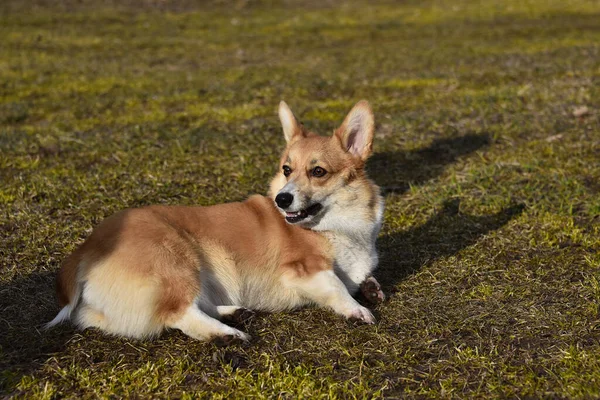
x=395 y=171
x=446 y=233
x=449 y=230
x=25 y=304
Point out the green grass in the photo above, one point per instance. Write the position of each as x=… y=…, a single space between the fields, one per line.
x=490 y=248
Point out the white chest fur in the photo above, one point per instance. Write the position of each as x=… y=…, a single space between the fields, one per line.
x=353 y=241
x=355 y=259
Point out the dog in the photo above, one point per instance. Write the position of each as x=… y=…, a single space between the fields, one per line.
x=310 y=241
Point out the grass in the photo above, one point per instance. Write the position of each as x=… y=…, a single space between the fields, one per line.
x=490 y=248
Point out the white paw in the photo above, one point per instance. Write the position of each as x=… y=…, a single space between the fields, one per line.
x=362 y=314
x=231 y=337
x=240 y=335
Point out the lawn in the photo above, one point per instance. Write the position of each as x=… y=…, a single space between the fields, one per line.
x=487 y=147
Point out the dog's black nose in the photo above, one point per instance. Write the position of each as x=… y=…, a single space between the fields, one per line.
x=284 y=200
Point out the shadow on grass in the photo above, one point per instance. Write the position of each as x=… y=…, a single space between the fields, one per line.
x=25 y=304
x=395 y=171
x=446 y=233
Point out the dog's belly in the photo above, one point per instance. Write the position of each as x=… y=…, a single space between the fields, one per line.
x=269 y=294
x=256 y=288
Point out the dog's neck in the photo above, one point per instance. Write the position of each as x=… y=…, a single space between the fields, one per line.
x=359 y=216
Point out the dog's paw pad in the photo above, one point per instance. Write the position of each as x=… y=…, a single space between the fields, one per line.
x=371 y=290
x=362 y=315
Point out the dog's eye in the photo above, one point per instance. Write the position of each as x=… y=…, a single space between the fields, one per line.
x=318 y=172
x=287 y=170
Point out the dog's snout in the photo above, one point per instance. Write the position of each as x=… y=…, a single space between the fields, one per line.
x=284 y=199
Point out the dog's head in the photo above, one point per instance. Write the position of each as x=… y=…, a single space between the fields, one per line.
x=314 y=169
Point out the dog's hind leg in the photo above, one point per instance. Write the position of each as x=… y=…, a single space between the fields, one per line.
x=326 y=289
x=198 y=325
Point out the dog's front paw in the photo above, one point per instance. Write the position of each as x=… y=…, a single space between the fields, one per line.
x=371 y=290
x=239 y=316
x=362 y=315
x=242 y=315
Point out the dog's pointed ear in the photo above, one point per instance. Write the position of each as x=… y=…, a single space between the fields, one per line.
x=291 y=128
x=356 y=132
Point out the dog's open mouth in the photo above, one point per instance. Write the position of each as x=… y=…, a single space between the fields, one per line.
x=297 y=216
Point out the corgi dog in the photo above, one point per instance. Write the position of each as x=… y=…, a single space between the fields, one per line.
x=311 y=241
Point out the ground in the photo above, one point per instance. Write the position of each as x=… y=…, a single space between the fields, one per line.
x=487 y=147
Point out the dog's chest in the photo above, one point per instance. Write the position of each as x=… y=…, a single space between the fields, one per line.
x=355 y=259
